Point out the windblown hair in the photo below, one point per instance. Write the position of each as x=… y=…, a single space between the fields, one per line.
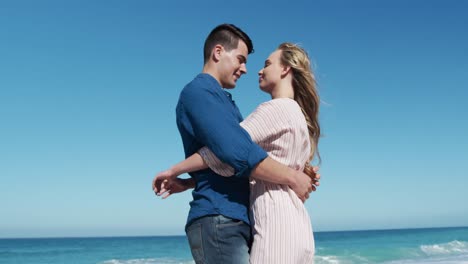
x=305 y=94
x=228 y=36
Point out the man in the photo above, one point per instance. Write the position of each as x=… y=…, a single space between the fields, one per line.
x=218 y=224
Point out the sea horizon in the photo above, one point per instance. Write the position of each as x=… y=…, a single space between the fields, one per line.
x=182 y=235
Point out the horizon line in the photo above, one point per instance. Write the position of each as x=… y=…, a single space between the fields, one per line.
x=183 y=235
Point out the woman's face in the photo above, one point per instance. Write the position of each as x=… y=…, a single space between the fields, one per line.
x=270 y=75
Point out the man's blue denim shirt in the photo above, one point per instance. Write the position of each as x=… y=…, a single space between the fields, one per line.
x=207 y=116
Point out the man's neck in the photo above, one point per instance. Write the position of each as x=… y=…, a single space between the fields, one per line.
x=207 y=69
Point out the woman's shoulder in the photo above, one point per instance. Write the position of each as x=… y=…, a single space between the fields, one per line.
x=278 y=102
x=283 y=105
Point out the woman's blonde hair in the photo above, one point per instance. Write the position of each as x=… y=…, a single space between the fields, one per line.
x=305 y=94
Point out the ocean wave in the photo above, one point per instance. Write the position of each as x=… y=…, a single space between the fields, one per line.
x=455 y=247
x=434 y=260
x=147 y=261
x=454 y=252
x=327 y=260
x=351 y=259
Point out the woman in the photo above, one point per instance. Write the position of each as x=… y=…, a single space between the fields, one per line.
x=287 y=128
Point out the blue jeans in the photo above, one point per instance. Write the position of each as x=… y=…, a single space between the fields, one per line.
x=217 y=239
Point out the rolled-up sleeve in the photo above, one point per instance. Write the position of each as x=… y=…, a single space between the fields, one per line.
x=215 y=126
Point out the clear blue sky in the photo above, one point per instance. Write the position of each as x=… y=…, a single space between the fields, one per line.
x=88 y=91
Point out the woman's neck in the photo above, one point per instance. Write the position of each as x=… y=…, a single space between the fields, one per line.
x=282 y=91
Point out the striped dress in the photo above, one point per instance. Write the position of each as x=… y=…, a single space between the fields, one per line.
x=281 y=226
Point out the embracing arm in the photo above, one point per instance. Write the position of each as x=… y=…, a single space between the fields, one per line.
x=268 y=169
x=190 y=164
x=272 y=171
x=215 y=124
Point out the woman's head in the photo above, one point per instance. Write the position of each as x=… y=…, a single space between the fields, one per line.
x=304 y=87
x=272 y=77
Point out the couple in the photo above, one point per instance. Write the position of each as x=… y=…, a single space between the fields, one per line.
x=268 y=152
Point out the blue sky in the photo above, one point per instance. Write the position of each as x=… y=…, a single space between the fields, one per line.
x=88 y=91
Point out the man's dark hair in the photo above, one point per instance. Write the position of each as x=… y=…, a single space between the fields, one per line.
x=228 y=36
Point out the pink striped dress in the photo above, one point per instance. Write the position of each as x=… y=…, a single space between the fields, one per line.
x=281 y=226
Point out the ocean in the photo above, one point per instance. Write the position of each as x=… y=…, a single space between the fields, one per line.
x=429 y=245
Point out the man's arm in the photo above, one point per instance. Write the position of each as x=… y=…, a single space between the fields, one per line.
x=213 y=122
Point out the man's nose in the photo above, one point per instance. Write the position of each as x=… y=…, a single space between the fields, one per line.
x=243 y=68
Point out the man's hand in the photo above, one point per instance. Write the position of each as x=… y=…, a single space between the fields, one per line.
x=305 y=184
x=160 y=178
x=166 y=183
x=315 y=179
x=171 y=186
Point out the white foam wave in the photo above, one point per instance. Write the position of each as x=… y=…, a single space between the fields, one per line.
x=147 y=261
x=454 y=252
x=330 y=259
x=327 y=260
x=437 y=260
x=454 y=247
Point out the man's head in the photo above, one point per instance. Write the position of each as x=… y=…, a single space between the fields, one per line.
x=225 y=54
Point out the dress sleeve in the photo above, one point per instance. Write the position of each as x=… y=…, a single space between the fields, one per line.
x=215 y=164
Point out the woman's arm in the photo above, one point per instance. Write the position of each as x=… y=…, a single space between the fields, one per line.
x=190 y=164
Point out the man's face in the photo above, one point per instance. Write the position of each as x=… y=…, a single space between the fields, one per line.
x=232 y=64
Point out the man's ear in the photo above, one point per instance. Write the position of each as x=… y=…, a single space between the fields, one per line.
x=285 y=71
x=216 y=53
